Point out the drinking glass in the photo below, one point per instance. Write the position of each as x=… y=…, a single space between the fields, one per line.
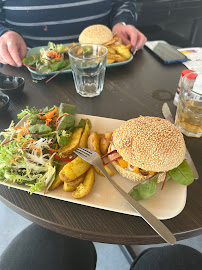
x=189 y=109
x=88 y=64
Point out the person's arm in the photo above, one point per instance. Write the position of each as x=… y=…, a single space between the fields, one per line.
x=123 y=20
x=12 y=46
x=124 y=11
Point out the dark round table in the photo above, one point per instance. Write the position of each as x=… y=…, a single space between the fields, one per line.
x=140 y=87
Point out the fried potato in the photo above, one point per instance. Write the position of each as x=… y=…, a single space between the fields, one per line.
x=68 y=148
x=72 y=185
x=110 y=172
x=104 y=142
x=122 y=50
x=72 y=44
x=74 y=169
x=57 y=182
x=85 y=135
x=111 y=50
x=128 y=46
x=112 y=41
x=76 y=182
x=79 y=52
x=68 y=188
x=110 y=61
x=94 y=142
x=84 y=188
x=116 y=57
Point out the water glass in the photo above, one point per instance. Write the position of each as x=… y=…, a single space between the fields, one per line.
x=189 y=109
x=88 y=64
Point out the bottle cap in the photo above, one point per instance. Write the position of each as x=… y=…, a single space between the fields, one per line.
x=192 y=76
x=186 y=71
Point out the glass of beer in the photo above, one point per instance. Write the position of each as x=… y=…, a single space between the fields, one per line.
x=189 y=109
x=88 y=64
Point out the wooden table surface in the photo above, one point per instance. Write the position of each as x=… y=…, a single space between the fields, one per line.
x=138 y=88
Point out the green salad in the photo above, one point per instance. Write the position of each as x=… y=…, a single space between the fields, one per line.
x=29 y=156
x=54 y=58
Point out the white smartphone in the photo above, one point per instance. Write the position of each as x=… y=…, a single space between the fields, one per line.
x=166 y=52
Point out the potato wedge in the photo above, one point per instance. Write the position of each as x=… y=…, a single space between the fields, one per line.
x=94 y=142
x=72 y=44
x=104 y=142
x=84 y=188
x=74 y=169
x=110 y=61
x=76 y=182
x=112 y=41
x=68 y=188
x=111 y=50
x=122 y=50
x=128 y=46
x=85 y=135
x=68 y=148
x=57 y=182
x=110 y=172
x=116 y=57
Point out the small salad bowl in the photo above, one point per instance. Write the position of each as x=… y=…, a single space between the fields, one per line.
x=4 y=103
x=11 y=85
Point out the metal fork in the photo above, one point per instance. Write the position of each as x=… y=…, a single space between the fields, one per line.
x=94 y=159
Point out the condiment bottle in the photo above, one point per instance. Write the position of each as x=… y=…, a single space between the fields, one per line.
x=176 y=98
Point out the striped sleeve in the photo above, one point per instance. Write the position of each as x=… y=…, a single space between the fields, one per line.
x=3 y=29
x=61 y=21
x=124 y=11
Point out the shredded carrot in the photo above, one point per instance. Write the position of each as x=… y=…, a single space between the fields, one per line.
x=23 y=130
x=48 y=121
x=52 y=150
x=33 y=147
x=27 y=129
x=15 y=159
x=48 y=115
x=33 y=57
x=59 y=118
x=53 y=54
x=27 y=142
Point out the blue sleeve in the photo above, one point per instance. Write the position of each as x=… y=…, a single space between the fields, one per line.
x=124 y=11
x=3 y=28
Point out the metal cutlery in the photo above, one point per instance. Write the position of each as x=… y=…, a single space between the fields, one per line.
x=94 y=159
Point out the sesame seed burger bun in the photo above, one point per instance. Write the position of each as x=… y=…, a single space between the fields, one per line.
x=150 y=143
x=97 y=34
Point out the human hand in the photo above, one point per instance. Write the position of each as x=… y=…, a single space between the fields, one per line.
x=12 y=49
x=130 y=35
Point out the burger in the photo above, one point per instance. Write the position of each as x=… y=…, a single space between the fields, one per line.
x=145 y=147
x=97 y=34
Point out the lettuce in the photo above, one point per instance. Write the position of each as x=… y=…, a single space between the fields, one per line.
x=44 y=63
x=145 y=189
x=182 y=174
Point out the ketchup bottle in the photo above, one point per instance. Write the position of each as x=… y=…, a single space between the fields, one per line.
x=176 y=98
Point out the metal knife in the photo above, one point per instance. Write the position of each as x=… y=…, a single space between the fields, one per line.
x=168 y=116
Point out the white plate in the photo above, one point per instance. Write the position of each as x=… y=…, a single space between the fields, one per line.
x=164 y=204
